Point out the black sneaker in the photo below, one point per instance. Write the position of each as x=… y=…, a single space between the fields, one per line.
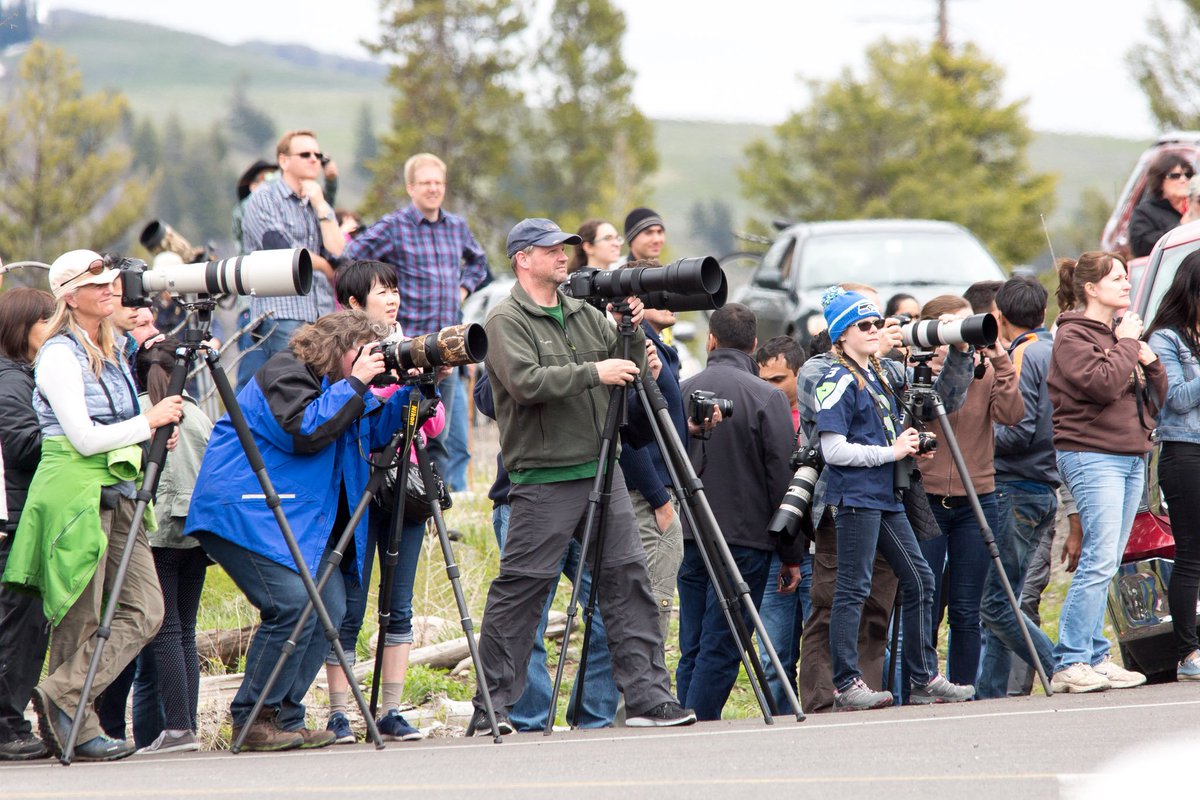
x=479 y=725
x=663 y=715
x=26 y=747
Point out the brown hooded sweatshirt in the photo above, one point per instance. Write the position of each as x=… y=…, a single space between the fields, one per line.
x=1095 y=383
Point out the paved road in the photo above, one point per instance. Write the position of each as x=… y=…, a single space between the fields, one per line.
x=1016 y=748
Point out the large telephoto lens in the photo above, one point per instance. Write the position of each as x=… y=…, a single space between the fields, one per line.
x=264 y=273
x=455 y=346
x=697 y=301
x=795 y=505
x=979 y=330
x=699 y=275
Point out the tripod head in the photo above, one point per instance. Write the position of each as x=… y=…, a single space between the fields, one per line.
x=919 y=395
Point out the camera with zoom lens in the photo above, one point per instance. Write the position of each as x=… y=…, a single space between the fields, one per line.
x=689 y=284
x=979 y=330
x=265 y=273
x=454 y=346
x=701 y=406
x=797 y=501
x=926 y=443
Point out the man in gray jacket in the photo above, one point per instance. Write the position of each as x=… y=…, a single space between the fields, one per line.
x=552 y=361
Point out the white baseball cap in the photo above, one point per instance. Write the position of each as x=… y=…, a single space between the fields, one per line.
x=79 y=268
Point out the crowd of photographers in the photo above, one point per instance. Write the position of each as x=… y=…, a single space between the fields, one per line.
x=913 y=439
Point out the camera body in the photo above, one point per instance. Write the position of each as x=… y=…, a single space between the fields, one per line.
x=797 y=501
x=926 y=443
x=702 y=404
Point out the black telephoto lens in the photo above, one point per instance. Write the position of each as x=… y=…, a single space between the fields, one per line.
x=797 y=501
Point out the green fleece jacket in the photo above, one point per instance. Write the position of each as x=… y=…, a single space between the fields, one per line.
x=550 y=404
x=60 y=540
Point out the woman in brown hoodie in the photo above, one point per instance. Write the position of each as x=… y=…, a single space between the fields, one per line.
x=1106 y=387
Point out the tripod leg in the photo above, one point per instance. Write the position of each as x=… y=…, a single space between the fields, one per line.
x=704 y=526
x=452 y=572
x=989 y=540
x=273 y=502
x=154 y=464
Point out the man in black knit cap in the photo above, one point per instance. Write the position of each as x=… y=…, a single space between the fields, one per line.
x=645 y=234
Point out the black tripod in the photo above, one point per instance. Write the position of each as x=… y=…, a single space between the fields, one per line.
x=922 y=403
x=719 y=562
x=422 y=403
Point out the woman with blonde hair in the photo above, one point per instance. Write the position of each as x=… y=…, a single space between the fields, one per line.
x=81 y=501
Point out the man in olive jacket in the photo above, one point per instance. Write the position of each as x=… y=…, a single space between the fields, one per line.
x=552 y=362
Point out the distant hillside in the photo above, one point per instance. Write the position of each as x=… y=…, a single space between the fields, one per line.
x=163 y=71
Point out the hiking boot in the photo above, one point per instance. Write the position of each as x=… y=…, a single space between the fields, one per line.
x=102 y=748
x=1189 y=668
x=26 y=747
x=264 y=736
x=314 y=739
x=860 y=697
x=940 y=690
x=1119 y=677
x=1077 y=679
x=171 y=742
x=53 y=723
x=395 y=728
x=339 y=724
x=478 y=726
x=663 y=715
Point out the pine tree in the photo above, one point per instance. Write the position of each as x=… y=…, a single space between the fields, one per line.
x=366 y=143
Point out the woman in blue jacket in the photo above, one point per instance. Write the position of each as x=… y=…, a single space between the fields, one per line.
x=314 y=420
x=1175 y=337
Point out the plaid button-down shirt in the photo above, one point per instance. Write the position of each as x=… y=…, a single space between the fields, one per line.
x=432 y=260
x=275 y=207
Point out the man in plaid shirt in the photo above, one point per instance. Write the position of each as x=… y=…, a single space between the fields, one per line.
x=438 y=263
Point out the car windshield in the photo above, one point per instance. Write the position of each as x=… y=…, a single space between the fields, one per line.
x=1165 y=274
x=890 y=258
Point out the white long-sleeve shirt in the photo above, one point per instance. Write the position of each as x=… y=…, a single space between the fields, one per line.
x=60 y=382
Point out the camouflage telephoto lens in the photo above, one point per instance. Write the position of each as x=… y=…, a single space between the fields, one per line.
x=454 y=346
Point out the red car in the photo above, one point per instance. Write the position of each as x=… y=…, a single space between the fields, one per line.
x=1116 y=231
x=1137 y=596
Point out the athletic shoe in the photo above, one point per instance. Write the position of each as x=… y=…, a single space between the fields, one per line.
x=26 y=747
x=860 y=697
x=479 y=725
x=1079 y=678
x=102 y=748
x=53 y=723
x=171 y=742
x=313 y=739
x=940 y=690
x=264 y=736
x=1189 y=668
x=1119 y=677
x=663 y=715
x=395 y=728
x=339 y=723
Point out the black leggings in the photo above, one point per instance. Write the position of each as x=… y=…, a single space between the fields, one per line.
x=181 y=574
x=1179 y=476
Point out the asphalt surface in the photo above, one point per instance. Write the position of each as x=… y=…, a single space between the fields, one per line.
x=1037 y=747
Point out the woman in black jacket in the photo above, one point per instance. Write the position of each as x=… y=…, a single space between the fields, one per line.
x=24 y=322
x=1163 y=203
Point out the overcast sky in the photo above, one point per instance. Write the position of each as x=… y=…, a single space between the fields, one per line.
x=739 y=61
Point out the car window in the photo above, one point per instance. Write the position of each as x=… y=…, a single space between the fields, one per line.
x=890 y=258
x=1167 y=268
x=778 y=259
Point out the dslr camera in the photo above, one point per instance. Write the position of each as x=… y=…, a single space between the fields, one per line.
x=701 y=406
x=979 y=330
x=797 y=501
x=689 y=284
x=454 y=346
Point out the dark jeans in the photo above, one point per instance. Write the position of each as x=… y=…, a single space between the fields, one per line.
x=279 y=595
x=860 y=532
x=1179 y=476
x=439 y=446
x=140 y=677
x=181 y=572
x=709 y=655
x=783 y=618
x=959 y=561
x=1026 y=515
x=24 y=634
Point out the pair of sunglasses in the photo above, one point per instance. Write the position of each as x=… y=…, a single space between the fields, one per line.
x=95 y=268
x=866 y=325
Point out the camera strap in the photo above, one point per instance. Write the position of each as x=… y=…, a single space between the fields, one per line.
x=883 y=406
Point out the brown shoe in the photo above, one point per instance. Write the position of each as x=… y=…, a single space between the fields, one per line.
x=263 y=736
x=314 y=739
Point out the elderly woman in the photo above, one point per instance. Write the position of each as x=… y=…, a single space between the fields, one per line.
x=1163 y=204
x=80 y=506
x=314 y=420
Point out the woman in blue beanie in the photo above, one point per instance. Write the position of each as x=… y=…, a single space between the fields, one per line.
x=861 y=436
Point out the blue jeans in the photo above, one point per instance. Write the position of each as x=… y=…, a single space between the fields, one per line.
x=276 y=342
x=860 y=532
x=709 y=656
x=959 y=561
x=458 y=455
x=1025 y=515
x=783 y=618
x=279 y=595
x=1107 y=488
x=439 y=446
x=599 y=691
x=399 y=624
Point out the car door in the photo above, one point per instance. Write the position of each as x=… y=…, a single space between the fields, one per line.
x=771 y=293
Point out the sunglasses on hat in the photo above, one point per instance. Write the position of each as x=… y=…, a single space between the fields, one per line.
x=95 y=268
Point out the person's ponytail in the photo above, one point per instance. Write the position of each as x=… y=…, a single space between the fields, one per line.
x=1066 y=295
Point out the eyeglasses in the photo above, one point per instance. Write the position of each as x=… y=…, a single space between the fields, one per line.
x=867 y=324
x=612 y=237
x=1174 y=176
x=307 y=154
x=95 y=268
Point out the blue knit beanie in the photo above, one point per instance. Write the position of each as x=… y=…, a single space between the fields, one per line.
x=843 y=309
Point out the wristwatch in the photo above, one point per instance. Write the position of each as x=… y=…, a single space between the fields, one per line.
x=328 y=215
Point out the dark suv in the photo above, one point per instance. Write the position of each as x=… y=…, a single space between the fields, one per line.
x=1116 y=232
x=923 y=258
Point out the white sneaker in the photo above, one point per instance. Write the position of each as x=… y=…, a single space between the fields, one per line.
x=171 y=742
x=1079 y=678
x=1119 y=677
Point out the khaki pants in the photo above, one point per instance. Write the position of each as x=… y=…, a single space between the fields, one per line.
x=664 y=554
x=139 y=614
